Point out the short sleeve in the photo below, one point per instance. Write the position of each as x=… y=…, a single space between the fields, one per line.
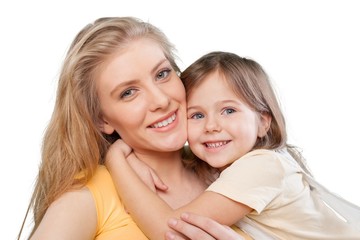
x=255 y=179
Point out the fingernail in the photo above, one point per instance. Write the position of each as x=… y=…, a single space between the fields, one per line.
x=172 y=222
x=169 y=235
x=184 y=216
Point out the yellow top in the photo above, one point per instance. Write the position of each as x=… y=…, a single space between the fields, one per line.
x=113 y=221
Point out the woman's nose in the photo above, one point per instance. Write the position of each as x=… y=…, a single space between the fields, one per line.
x=158 y=98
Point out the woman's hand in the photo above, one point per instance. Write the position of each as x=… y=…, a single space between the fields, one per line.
x=196 y=227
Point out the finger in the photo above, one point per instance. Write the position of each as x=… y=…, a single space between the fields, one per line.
x=189 y=230
x=174 y=236
x=132 y=157
x=215 y=229
x=127 y=150
x=159 y=184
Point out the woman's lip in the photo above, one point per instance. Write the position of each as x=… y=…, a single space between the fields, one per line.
x=164 y=121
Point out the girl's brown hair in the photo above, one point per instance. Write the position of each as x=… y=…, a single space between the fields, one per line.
x=249 y=82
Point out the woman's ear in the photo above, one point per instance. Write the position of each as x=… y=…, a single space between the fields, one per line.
x=105 y=127
x=264 y=124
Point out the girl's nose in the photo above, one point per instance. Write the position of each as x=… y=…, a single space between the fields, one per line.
x=212 y=125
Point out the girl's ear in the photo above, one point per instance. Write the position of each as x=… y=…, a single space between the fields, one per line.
x=105 y=127
x=264 y=124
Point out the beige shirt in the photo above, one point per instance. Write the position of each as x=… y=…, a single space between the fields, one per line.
x=282 y=201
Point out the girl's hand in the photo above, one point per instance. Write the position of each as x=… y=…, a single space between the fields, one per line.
x=120 y=151
x=196 y=227
x=117 y=151
x=116 y=155
x=146 y=173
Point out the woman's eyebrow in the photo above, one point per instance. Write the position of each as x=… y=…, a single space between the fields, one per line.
x=130 y=82
x=158 y=64
x=121 y=85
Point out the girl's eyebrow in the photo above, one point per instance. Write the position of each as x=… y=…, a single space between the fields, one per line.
x=227 y=101
x=193 y=107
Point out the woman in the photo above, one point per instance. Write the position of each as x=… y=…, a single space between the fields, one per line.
x=119 y=78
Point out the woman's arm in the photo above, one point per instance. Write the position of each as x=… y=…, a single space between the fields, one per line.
x=151 y=213
x=72 y=216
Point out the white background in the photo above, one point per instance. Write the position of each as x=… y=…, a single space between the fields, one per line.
x=310 y=49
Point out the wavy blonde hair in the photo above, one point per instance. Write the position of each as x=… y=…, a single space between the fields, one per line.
x=73 y=145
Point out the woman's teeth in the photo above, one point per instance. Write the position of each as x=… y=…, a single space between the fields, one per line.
x=165 y=122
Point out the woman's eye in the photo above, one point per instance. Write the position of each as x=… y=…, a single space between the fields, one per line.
x=228 y=111
x=197 y=116
x=127 y=93
x=163 y=74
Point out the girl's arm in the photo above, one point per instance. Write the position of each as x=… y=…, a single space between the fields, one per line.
x=151 y=213
x=72 y=216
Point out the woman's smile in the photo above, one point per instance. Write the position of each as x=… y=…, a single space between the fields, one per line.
x=165 y=122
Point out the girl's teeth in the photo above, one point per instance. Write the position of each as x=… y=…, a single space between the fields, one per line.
x=215 y=145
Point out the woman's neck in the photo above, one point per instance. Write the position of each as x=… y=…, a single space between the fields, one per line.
x=183 y=184
x=163 y=163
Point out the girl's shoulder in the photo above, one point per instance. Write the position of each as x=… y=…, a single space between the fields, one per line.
x=259 y=160
x=262 y=152
x=279 y=159
x=263 y=155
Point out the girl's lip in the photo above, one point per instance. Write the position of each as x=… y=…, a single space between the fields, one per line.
x=216 y=144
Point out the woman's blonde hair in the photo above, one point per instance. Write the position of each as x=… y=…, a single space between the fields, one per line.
x=73 y=144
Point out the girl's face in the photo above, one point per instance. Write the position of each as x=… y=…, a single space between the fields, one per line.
x=221 y=126
x=143 y=99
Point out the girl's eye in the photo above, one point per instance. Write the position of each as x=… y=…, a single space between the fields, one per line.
x=163 y=74
x=228 y=111
x=127 y=93
x=197 y=116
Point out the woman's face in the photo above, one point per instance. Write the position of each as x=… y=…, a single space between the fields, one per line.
x=143 y=99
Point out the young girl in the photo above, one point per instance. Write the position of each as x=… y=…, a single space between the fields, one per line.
x=235 y=124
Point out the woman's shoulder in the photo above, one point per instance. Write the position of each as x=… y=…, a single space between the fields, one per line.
x=101 y=172
x=70 y=209
x=100 y=179
x=113 y=220
x=101 y=184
